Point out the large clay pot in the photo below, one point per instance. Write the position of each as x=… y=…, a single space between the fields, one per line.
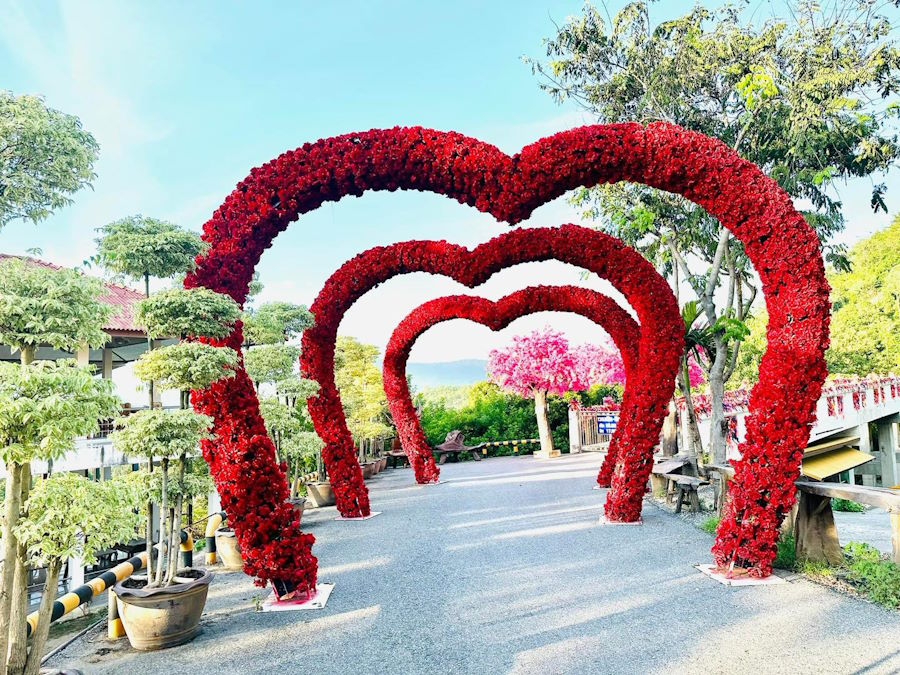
x=319 y=494
x=368 y=469
x=382 y=464
x=158 y=618
x=228 y=549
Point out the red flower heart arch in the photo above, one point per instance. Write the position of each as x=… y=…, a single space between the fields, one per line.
x=783 y=249
x=496 y=315
x=661 y=343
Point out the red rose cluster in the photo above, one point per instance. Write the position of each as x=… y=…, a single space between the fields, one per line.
x=659 y=348
x=600 y=309
x=782 y=247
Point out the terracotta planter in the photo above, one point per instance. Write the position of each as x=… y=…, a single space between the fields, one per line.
x=382 y=463
x=319 y=494
x=368 y=469
x=228 y=549
x=299 y=505
x=163 y=617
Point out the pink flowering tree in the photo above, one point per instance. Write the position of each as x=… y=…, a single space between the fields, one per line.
x=534 y=366
x=602 y=364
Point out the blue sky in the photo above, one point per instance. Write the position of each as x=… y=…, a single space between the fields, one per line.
x=185 y=98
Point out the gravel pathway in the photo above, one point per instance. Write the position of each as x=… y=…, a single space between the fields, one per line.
x=503 y=568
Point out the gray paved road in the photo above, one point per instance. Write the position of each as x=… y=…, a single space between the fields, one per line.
x=504 y=569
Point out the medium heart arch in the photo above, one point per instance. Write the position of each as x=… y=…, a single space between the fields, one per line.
x=781 y=246
x=496 y=315
x=659 y=347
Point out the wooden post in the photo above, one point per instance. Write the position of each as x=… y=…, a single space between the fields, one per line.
x=815 y=535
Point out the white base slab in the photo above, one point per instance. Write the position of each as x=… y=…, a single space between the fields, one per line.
x=318 y=601
x=371 y=515
x=611 y=523
x=543 y=455
x=439 y=482
x=597 y=487
x=710 y=571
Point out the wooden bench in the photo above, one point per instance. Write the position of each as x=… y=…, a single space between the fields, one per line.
x=453 y=445
x=662 y=467
x=815 y=534
x=686 y=486
x=396 y=454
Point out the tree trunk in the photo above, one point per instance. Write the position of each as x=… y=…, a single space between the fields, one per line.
x=540 y=410
x=670 y=432
x=18 y=636
x=815 y=535
x=163 y=529
x=295 y=477
x=175 y=541
x=12 y=508
x=718 y=425
x=695 y=444
x=39 y=639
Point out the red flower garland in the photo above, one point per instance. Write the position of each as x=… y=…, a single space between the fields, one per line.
x=599 y=308
x=783 y=249
x=647 y=292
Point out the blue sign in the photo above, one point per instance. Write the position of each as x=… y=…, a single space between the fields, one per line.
x=606 y=424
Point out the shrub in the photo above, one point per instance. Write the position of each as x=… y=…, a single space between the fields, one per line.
x=847 y=505
x=709 y=525
x=878 y=578
x=786 y=558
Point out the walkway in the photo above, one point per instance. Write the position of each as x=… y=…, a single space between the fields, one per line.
x=503 y=569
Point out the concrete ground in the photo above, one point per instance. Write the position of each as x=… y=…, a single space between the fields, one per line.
x=503 y=568
x=872 y=527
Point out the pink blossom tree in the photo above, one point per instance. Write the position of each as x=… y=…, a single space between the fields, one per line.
x=534 y=366
x=602 y=364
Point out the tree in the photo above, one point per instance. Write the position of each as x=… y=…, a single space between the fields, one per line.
x=865 y=322
x=275 y=323
x=804 y=99
x=140 y=247
x=358 y=379
x=186 y=366
x=57 y=308
x=295 y=444
x=534 y=366
x=44 y=407
x=70 y=516
x=270 y=363
x=45 y=156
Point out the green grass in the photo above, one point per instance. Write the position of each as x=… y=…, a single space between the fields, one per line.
x=846 y=505
x=709 y=525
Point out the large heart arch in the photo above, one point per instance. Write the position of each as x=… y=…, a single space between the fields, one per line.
x=496 y=315
x=779 y=243
x=661 y=340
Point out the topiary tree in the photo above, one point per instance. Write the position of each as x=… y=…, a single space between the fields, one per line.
x=45 y=156
x=71 y=516
x=186 y=366
x=57 y=308
x=295 y=445
x=534 y=366
x=44 y=407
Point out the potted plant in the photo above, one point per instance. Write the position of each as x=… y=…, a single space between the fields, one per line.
x=319 y=492
x=164 y=609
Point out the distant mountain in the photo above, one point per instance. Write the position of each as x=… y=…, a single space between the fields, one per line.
x=450 y=373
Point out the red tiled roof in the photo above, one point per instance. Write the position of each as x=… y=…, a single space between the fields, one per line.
x=121 y=298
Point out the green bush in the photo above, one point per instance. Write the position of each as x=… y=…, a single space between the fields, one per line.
x=877 y=578
x=490 y=414
x=786 y=558
x=846 y=505
x=710 y=525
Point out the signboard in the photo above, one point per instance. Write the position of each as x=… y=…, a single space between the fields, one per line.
x=606 y=423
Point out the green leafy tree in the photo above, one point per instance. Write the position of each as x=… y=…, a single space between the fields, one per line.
x=156 y=433
x=45 y=157
x=70 y=516
x=865 y=322
x=140 y=248
x=44 y=407
x=275 y=323
x=270 y=363
x=54 y=307
x=807 y=99
x=295 y=445
x=295 y=390
x=358 y=380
